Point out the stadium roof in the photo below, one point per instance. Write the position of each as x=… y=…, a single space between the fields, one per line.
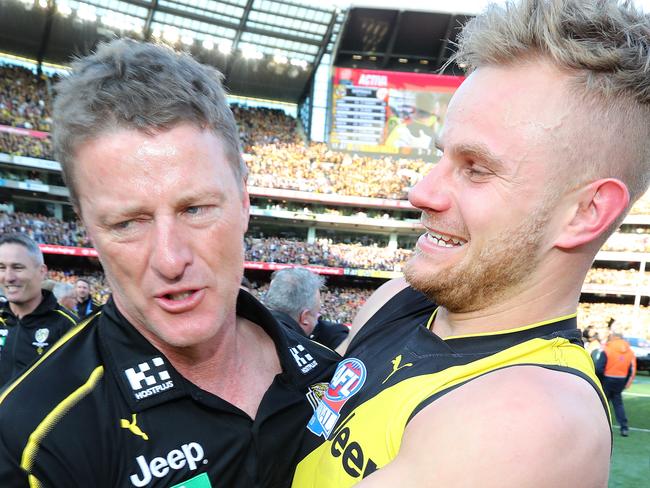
x=266 y=48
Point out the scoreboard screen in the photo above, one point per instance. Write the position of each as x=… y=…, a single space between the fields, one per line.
x=388 y=112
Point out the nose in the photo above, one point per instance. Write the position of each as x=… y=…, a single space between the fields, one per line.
x=8 y=275
x=432 y=193
x=171 y=253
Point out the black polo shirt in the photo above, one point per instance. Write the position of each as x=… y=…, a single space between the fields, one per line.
x=24 y=340
x=104 y=408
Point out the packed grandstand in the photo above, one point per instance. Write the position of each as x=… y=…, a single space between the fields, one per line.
x=370 y=242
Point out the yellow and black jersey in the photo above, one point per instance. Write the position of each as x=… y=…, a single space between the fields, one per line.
x=396 y=366
x=104 y=408
x=24 y=340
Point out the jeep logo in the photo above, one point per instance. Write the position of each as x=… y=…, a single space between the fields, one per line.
x=188 y=454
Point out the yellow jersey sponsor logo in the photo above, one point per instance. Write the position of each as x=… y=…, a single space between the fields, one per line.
x=354 y=461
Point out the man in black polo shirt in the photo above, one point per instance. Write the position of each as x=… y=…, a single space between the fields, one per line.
x=31 y=320
x=182 y=379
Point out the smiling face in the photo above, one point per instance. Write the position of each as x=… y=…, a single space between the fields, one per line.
x=21 y=276
x=489 y=203
x=167 y=217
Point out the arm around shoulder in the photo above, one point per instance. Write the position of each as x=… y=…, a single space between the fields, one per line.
x=384 y=293
x=521 y=426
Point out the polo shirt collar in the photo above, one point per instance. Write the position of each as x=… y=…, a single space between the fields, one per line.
x=146 y=378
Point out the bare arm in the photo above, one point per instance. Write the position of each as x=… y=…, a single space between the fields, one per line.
x=384 y=293
x=521 y=426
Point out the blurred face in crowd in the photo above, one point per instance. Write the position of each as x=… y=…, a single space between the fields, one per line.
x=167 y=217
x=21 y=276
x=69 y=301
x=486 y=206
x=82 y=290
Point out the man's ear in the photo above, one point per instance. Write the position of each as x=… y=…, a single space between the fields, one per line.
x=302 y=319
x=597 y=206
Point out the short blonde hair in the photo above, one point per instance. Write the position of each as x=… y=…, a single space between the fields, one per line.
x=604 y=47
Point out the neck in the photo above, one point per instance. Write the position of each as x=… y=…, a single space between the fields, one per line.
x=198 y=363
x=238 y=367
x=544 y=296
x=22 y=309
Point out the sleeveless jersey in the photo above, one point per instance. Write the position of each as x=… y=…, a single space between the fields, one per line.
x=396 y=366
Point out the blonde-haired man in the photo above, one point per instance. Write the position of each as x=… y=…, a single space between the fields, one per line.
x=472 y=371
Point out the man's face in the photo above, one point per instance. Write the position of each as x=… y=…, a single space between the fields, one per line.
x=486 y=205
x=20 y=274
x=82 y=290
x=167 y=217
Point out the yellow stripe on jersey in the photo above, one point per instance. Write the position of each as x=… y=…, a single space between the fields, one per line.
x=34 y=482
x=34 y=442
x=515 y=329
x=66 y=316
x=66 y=337
x=371 y=435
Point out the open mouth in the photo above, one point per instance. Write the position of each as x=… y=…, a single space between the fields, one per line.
x=443 y=240
x=179 y=296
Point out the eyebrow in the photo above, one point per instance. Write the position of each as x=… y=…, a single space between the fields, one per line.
x=477 y=151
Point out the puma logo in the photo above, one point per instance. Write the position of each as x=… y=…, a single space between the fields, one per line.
x=133 y=428
x=396 y=367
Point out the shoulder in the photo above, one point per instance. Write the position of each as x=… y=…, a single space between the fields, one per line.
x=66 y=316
x=514 y=426
x=49 y=391
x=377 y=300
x=63 y=366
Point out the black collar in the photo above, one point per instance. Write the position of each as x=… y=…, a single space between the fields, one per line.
x=287 y=320
x=47 y=304
x=147 y=378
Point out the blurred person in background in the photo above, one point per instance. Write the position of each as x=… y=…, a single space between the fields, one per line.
x=294 y=298
x=472 y=371
x=65 y=295
x=31 y=320
x=84 y=306
x=616 y=365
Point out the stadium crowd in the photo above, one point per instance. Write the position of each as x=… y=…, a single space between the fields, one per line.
x=24 y=99
x=45 y=230
x=628 y=320
x=324 y=252
x=315 y=168
x=624 y=278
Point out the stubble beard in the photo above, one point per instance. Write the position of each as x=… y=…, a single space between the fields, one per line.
x=485 y=276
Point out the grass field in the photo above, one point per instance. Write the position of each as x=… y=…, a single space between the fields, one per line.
x=631 y=459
